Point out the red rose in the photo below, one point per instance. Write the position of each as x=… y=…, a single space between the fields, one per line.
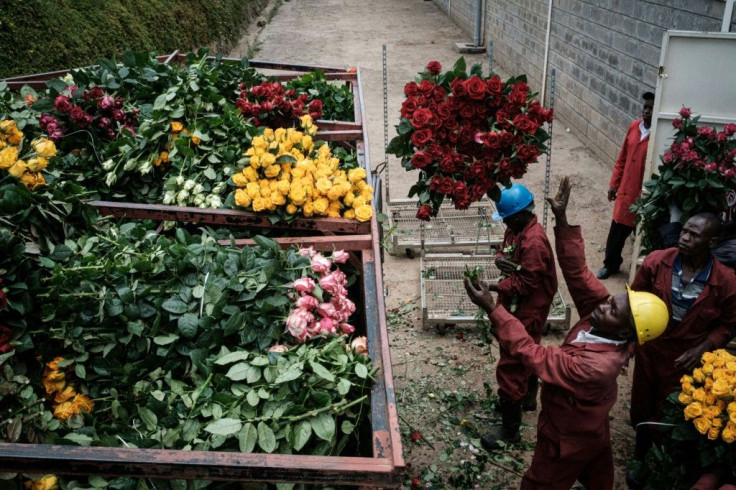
x=421 y=137
x=434 y=184
x=685 y=112
x=677 y=123
x=76 y=113
x=527 y=153
x=707 y=132
x=416 y=483
x=443 y=111
x=459 y=190
x=62 y=104
x=466 y=135
x=426 y=87
x=420 y=159
x=439 y=94
x=5 y=335
x=96 y=92
x=492 y=140
x=86 y=120
x=475 y=87
x=446 y=186
x=467 y=111
x=421 y=100
x=524 y=124
x=422 y=118
x=517 y=98
x=411 y=89
x=502 y=117
x=117 y=114
x=447 y=164
x=315 y=109
x=729 y=129
x=521 y=87
x=408 y=107
x=425 y=212
x=549 y=114
x=457 y=87
x=451 y=124
x=494 y=84
x=434 y=67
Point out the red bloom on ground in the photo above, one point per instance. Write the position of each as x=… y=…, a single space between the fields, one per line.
x=416 y=483
x=416 y=437
x=434 y=67
x=459 y=336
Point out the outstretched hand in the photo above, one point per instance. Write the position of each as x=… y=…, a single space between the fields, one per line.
x=480 y=294
x=558 y=204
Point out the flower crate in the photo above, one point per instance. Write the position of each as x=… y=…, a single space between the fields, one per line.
x=383 y=467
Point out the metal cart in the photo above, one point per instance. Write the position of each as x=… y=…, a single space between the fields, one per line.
x=445 y=302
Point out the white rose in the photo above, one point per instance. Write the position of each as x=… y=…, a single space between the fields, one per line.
x=146 y=168
x=198 y=189
x=129 y=165
x=111 y=178
x=189 y=185
x=198 y=199
x=168 y=197
x=107 y=165
x=216 y=202
x=182 y=196
x=180 y=181
x=218 y=188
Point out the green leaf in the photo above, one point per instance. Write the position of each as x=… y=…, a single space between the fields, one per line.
x=160 y=102
x=190 y=430
x=361 y=371
x=347 y=427
x=252 y=398
x=224 y=427
x=252 y=374
x=188 y=324
x=321 y=371
x=300 y=434
x=148 y=417
x=80 y=439
x=238 y=372
x=80 y=371
x=247 y=438
x=294 y=371
x=174 y=306
x=460 y=66
x=240 y=355
x=165 y=339
x=266 y=438
x=323 y=426
x=404 y=127
x=286 y=159
x=343 y=386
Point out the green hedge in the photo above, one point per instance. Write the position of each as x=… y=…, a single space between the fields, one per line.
x=39 y=35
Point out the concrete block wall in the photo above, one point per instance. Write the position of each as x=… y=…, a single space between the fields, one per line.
x=605 y=52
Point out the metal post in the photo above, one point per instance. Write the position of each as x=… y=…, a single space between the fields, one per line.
x=727 y=16
x=549 y=150
x=490 y=56
x=385 y=124
x=478 y=16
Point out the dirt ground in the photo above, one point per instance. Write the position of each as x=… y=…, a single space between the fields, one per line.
x=439 y=379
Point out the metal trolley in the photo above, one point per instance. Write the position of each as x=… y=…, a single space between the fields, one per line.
x=445 y=302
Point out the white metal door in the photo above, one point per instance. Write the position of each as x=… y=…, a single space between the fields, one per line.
x=696 y=70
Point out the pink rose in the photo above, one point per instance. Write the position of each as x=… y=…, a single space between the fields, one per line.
x=360 y=345
x=347 y=328
x=677 y=123
x=729 y=173
x=685 y=112
x=298 y=322
x=278 y=348
x=729 y=129
x=106 y=103
x=321 y=264
x=340 y=256
x=331 y=283
x=327 y=326
x=307 y=302
x=304 y=285
x=104 y=122
x=76 y=113
x=710 y=167
x=306 y=252
x=118 y=115
x=327 y=310
x=96 y=92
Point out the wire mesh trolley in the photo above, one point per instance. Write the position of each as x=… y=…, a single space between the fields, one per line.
x=445 y=302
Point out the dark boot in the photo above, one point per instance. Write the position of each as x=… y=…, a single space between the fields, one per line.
x=529 y=402
x=510 y=423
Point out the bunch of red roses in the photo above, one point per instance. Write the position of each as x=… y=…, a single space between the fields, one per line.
x=695 y=174
x=91 y=108
x=467 y=134
x=269 y=104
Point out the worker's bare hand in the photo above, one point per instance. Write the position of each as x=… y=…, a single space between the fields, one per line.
x=690 y=359
x=612 y=193
x=506 y=266
x=480 y=294
x=558 y=204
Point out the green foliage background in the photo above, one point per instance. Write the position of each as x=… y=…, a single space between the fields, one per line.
x=40 y=36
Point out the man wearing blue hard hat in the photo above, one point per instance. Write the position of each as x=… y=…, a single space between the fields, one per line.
x=526 y=290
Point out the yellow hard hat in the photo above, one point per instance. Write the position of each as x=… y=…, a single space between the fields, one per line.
x=649 y=313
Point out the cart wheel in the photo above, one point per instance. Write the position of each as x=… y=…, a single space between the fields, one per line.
x=410 y=253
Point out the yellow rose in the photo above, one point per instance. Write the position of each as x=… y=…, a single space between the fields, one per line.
x=717 y=422
x=7 y=126
x=250 y=174
x=687 y=388
x=8 y=156
x=283 y=187
x=699 y=394
x=323 y=185
x=702 y=424
x=728 y=435
x=320 y=206
x=708 y=357
x=731 y=367
x=307 y=143
x=356 y=174
x=46 y=483
x=65 y=394
x=298 y=172
x=708 y=383
x=291 y=209
x=18 y=169
x=255 y=161
x=720 y=373
x=367 y=195
x=15 y=137
x=195 y=140
x=82 y=403
x=63 y=411
x=684 y=398
x=268 y=159
x=176 y=126
x=707 y=369
x=732 y=417
x=272 y=171
x=711 y=411
x=277 y=198
x=259 y=142
x=349 y=214
x=295 y=136
x=694 y=410
x=297 y=194
x=727 y=356
x=240 y=180
x=731 y=407
x=713 y=433
x=710 y=399
x=358 y=201
x=335 y=193
x=349 y=198
x=31 y=180
x=721 y=389
x=305 y=120
x=308 y=209
x=44 y=147
x=242 y=198
x=363 y=213
x=259 y=204
x=253 y=189
x=698 y=375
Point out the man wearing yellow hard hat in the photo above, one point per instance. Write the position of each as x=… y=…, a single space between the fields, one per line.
x=579 y=389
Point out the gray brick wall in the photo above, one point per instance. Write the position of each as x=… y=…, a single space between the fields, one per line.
x=605 y=52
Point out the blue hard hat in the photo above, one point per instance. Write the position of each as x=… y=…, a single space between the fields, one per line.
x=513 y=199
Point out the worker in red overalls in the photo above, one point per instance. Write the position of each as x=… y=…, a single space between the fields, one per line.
x=579 y=389
x=700 y=293
x=526 y=291
x=625 y=186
